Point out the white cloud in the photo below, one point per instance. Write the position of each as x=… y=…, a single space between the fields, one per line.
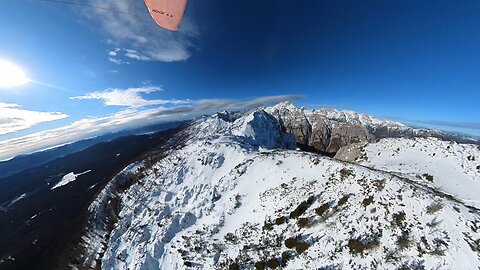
x=13 y=118
x=9 y=105
x=128 y=24
x=135 y=55
x=130 y=97
x=112 y=53
x=117 y=61
x=91 y=127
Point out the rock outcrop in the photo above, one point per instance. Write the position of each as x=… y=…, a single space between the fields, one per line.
x=328 y=130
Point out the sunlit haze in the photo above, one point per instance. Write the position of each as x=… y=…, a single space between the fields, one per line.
x=11 y=75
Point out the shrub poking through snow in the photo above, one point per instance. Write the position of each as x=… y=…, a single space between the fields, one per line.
x=303 y=222
x=280 y=220
x=429 y=177
x=398 y=219
x=403 y=240
x=298 y=245
x=234 y=266
x=344 y=173
x=273 y=263
x=302 y=207
x=322 y=209
x=343 y=200
x=362 y=244
x=367 y=201
x=259 y=266
x=434 y=207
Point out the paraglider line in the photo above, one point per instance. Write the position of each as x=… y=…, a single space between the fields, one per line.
x=82 y=5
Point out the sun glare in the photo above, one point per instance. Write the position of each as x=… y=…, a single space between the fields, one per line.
x=11 y=75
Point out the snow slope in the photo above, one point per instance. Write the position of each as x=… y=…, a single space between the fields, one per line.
x=448 y=166
x=233 y=193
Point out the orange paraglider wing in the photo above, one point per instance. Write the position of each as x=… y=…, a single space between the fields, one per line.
x=167 y=13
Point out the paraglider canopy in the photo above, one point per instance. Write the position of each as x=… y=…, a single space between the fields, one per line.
x=167 y=13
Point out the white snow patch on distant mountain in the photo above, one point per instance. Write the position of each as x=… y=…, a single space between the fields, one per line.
x=18 y=199
x=66 y=179
x=4 y=207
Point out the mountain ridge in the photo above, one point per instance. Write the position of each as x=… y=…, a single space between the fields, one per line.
x=234 y=192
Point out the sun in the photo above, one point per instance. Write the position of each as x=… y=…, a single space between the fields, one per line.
x=11 y=75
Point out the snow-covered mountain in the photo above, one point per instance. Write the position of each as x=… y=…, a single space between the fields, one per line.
x=233 y=191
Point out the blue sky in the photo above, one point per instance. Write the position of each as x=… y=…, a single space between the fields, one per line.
x=416 y=61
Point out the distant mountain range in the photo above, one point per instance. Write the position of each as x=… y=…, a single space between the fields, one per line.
x=20 y=163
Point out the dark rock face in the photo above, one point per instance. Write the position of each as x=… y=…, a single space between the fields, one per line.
x=296 y=123
x=314 y=130
x=320 y=134
x=348 y=133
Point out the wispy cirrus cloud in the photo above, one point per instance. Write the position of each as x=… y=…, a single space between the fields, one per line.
x=130 y=97
x=130 y=118
x=13 y=118
x=128 y=25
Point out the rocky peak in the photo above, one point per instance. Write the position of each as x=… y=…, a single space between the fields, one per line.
x=285 y=105
x=264 y=130
x=255 y=127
